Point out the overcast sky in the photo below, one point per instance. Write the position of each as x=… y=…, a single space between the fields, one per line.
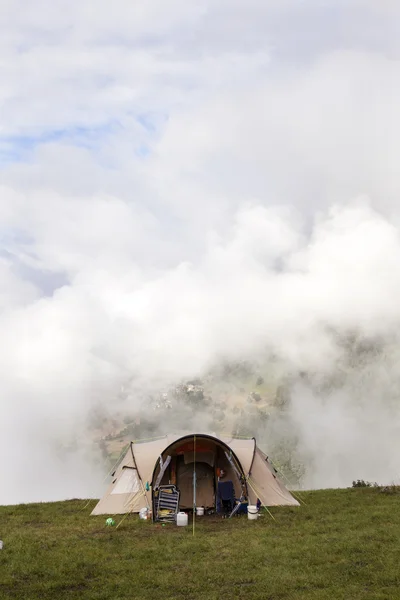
x=182 y=181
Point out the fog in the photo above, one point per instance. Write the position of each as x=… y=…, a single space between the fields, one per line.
x=173 y=202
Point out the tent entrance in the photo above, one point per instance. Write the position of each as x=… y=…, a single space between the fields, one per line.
x=205 y=484
x=193 y=465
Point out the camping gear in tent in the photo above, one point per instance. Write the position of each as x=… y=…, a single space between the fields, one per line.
x=192 y=471
x=225 y=497
x=167 y=501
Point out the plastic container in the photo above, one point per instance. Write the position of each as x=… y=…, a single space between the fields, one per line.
x=200 y=511
x=252 y=512
x=1 y=544
x=182 y=519
x=144 y=514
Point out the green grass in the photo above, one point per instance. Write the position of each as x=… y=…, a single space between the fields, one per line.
x=343 y=544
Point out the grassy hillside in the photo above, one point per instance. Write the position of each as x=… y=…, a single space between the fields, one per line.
x=342 y=544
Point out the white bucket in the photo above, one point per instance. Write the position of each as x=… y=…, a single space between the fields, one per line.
x=200 y=511
x=182 y=519
x=252 y=512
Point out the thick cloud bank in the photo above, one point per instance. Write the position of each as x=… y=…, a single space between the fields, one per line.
x=185 y=186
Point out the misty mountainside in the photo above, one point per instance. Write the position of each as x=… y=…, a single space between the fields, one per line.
x=268 y=400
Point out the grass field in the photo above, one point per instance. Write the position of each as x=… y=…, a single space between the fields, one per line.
x=343 y=544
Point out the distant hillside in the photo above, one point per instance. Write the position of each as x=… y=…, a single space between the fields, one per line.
x=250 y=400
x=237 y=399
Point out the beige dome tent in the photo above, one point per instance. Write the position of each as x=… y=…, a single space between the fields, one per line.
x=181 y=460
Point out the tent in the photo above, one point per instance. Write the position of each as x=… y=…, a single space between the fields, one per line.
x=192 y=463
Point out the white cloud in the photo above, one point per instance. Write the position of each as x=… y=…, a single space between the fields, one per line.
x=204 y=182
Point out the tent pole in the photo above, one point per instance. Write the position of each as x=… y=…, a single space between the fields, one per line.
x=194 y=481
x=140 y=478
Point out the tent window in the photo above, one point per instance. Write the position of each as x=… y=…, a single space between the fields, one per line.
x=128 y=482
